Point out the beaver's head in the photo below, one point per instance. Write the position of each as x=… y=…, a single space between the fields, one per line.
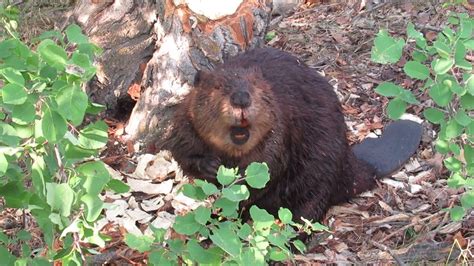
x=232 y=109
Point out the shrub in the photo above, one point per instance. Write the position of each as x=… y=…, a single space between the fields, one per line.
x=230 y=241
x=444 y=74
x=48 y=165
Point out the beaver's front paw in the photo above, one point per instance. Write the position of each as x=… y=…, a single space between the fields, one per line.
x=207 y=167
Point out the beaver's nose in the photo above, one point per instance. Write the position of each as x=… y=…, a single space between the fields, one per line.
x=240 y=99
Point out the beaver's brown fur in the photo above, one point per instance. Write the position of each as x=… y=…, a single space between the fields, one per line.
x=267 y=106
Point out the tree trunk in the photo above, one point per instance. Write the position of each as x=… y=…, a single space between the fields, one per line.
x=152 y=50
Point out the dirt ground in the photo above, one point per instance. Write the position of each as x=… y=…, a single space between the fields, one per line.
x=402 y=221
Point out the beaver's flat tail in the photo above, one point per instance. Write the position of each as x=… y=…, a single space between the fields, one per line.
x=392 y=150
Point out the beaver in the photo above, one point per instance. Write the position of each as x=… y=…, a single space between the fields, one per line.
x=265 y=105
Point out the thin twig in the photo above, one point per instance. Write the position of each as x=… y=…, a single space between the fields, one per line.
x=369 y=10
x=409 y=225
x=385 y=248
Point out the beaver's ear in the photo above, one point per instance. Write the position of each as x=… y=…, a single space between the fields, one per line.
x=205 y=80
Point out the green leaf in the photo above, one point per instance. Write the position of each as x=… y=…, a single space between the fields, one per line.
x=72 y=103
x=386 y=49
x=252 y=256
x=453 y=129
x=469 y=154
x=416 y=70
x=453 y=164
x=261 y=218
x=459 y=57
x=419 y=56
x=158 y=233
x=285 y=215
x=466 y=29
x=225 y=176
x=257 y=175
x=462 y=118
x=413 y=33
x=469 y=44
x=207 y=188
x=49 y=73
x=388 y=89
x=470 y=84
x=53 y=125
x=8 y=135
x=3 y=164
x=186 y=224
x=244 y=231
x=433 y=115
x=202 y=215
x=94 y=108
x=4 y=240
x=225 y=238
x=299 y=245
x=14 y=194
x=408 y=97
x=442 y=48
x=94 y=136
x=229 y=208
x=118 y=186
x=81 y=60
x=176 y=245
x=13 y=76
x=456 y=181
x=7 y=258
x=455 y=148
x=442 y=146
x=467 y=200
x=278 y=255
x=457 y=89
x=50 y=34
x=441 y=94
x=94 y=206
x=60 y=197
x=279 y=241
x=456 y=213
x=73 y=152
x=23 y=235
x=467 y=102
x=96 y=176
x=236 y=193
x=270 y=35
x=396 y=108
x=24 y=113
x=52 y=54
x=74 y=34
x=14 y=94
x=204 y=256
x=141 y=243
x=442 y=65
x=193 y=192
x=160 y=257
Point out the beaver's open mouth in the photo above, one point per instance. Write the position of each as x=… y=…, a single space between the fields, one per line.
x=239 y=135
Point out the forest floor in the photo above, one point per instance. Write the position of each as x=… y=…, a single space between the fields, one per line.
x=401 y=221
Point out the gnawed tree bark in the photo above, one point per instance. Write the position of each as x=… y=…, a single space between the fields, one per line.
x=152 y=50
